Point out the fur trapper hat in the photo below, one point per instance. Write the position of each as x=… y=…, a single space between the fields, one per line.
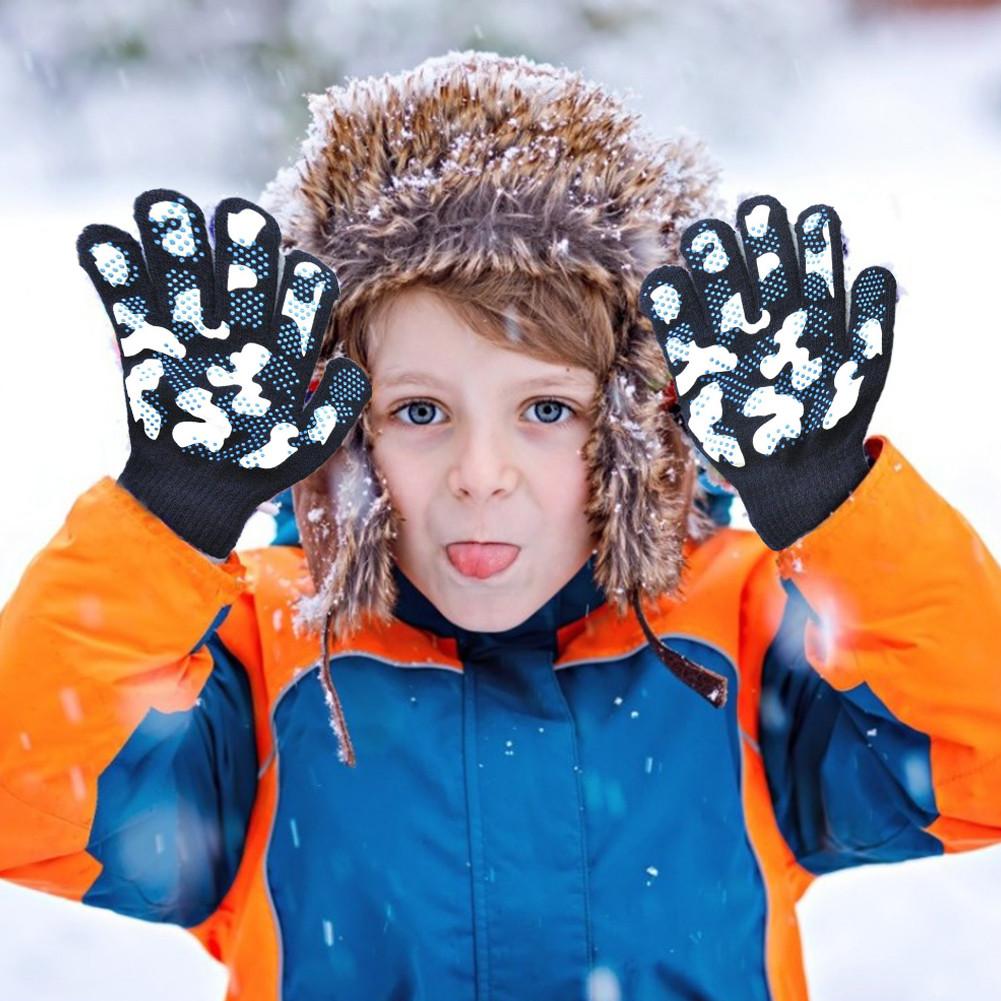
x=477 y=161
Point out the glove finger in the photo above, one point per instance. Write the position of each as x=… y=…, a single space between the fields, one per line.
x=668 y=298
x=860 y=379
x=720 y=274
x=114 y=263
x=176 y=245
x=330 y=414
x=771 y=254
x=306 y=298
x=821 y=261
x=247 y=263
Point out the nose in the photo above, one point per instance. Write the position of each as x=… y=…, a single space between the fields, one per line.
x=483 y=465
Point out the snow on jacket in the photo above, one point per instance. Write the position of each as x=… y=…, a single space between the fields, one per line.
x=526 y=806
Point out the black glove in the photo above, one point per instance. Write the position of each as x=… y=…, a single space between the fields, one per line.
x=775 y=391
x=215 y=369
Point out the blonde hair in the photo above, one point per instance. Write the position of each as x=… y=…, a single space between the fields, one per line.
x=566 y=322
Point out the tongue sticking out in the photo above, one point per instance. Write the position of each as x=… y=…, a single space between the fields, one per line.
x=481 y=559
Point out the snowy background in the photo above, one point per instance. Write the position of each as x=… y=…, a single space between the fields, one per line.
x=890 y=113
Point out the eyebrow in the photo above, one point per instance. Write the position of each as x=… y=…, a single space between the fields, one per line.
x=401 y=378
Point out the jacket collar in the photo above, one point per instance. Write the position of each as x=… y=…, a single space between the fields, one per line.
x=577 y=598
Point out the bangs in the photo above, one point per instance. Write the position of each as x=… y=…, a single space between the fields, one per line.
x=565 y=323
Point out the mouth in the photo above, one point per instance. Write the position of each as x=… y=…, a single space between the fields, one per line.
x=481 y=559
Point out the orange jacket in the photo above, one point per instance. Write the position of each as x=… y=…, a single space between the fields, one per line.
x=521 y=812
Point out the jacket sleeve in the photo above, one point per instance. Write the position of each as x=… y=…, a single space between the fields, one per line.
x=879 y=714
x=128 y=763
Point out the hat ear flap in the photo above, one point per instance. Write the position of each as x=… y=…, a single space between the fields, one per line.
x=640 y=489
x=346 y=523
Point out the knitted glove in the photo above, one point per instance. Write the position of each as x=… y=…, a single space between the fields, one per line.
x=774 y=390
x=215 y=370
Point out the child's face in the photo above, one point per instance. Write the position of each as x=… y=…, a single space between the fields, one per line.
x=480 y=457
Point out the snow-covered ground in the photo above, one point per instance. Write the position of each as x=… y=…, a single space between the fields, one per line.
x=901 y=132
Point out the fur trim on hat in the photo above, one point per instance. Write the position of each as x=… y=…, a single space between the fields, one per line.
x=474 y=161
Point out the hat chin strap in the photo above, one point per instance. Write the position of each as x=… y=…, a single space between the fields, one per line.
x=346 y=750
x=710 y=685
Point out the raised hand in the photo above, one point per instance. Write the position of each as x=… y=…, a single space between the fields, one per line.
x=215 y=368
x=775 y=384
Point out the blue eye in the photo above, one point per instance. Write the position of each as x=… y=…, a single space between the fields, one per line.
x=425 y=409
x=418 y=405
x=550 y=404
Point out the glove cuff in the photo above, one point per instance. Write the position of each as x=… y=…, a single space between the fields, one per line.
x=808 y=498
x=208 y=513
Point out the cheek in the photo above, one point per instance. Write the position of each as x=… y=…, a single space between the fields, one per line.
x=563 y=482
x=407 y=476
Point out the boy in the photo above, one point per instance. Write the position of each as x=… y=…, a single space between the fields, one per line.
x=536 y=808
